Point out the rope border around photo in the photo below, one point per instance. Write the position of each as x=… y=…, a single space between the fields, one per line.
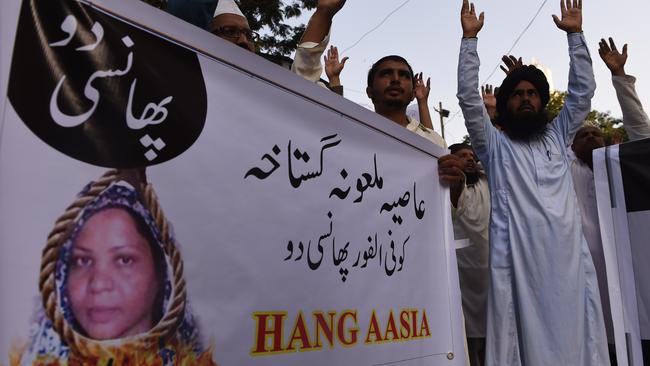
x=63 y=228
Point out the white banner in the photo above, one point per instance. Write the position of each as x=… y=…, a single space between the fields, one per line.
x=288 y=225
x=622 y=179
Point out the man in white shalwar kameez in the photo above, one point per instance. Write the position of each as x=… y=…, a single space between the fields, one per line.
x=230 y=24
x=307 y=61
x=543 y=303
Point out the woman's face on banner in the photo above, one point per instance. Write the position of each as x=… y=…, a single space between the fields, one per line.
x=112 y=282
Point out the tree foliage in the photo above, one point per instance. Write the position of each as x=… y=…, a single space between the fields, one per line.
x=611 y=127
x=270 y=19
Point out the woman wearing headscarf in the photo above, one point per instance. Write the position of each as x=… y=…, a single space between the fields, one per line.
x=112 y=284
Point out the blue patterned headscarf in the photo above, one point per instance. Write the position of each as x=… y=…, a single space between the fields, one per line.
x=44 y=339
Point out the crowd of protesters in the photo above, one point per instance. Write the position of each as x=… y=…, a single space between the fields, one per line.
x=533 y=284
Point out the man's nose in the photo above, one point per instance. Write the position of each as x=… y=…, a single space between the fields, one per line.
x=242 y=40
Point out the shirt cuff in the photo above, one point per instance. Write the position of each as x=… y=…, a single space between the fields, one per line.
x=469 y=42
x=576 y=39
x=320 y=45
x=626 y=79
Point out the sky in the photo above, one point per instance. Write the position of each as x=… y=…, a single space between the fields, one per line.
x=428 y=33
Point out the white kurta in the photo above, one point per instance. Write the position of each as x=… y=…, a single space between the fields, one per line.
x=307 y=61
x=471 y=220
x=431 y=135
x=637 y=125
x=543 y=302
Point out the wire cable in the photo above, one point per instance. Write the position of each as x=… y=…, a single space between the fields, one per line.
x=518 y=39
x=377 y=26
x=514 y=44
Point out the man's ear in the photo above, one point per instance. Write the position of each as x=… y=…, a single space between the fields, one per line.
x=369 y=92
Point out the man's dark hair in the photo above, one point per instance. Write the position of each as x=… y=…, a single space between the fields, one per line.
x=457 y=147
x=375 y=67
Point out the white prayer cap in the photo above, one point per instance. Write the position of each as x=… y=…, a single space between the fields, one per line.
x=227 y=7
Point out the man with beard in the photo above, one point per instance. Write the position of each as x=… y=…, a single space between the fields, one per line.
x=523 y=117
x=543 y=300
x=588 y=138
x=470 y=213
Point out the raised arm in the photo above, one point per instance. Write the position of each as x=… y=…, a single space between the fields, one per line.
x=477 y=120
x=421 y=91
x=333 y=68
x=321 y=21
x=307 y=62
x=635 y=119
x=581 y=74
x=511 y=63
x=489 y=95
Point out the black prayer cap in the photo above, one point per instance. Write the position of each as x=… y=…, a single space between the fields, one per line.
x=528 y=73
x=460 y=146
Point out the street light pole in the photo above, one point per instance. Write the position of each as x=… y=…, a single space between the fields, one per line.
x=443 y=114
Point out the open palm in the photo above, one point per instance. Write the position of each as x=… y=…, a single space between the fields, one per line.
x=571 y=21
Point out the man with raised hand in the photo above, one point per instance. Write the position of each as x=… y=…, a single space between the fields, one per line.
x=391 y=88
x=312 y=45
x=333 y=69
x=635 y=119
x=587 y=139
x=543 y=303
x=230 y=24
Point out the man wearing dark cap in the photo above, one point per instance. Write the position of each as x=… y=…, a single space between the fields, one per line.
x=470 y=214
x=543 y=302
x=525 y=119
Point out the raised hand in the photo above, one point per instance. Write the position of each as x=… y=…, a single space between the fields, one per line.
x=571 y=21
x=331 y=6
x=320 y=22
x=511 y=63
x=333 y=66
x=421 y=90
x=614 y=60
x=468 y=20
x=490 y=100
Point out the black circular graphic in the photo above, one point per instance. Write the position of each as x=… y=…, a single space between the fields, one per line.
x=102 y=91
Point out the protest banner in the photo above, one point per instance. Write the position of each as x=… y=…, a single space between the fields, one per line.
x=169 y=198
x=622 y=180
